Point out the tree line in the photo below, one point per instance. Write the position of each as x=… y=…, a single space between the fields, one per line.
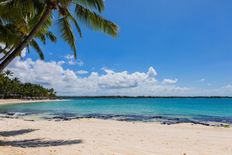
x=12 y=87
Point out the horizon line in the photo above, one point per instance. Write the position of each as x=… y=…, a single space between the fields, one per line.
x=119 y=96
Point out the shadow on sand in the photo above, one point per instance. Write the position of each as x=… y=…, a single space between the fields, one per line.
x=32 y=143
x=16 y=132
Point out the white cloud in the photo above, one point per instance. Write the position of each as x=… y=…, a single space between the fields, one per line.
x=81 y=72
x=151 y=72
x=23 y=53
x=72 y=61
x=68 y=57
x=169 y=81
x=68 y=82
x=80 y=62
x=61 y=62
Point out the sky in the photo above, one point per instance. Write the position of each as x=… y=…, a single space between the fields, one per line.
x=164 y=47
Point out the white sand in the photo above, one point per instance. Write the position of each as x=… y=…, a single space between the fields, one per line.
x=17 y=101
x=108 y=137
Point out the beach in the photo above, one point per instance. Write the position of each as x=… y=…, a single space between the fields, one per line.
x=109 y=137
x=156 y=83
x=106 y=136
x=18 y=101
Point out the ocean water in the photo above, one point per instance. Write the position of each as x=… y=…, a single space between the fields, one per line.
x=172 y=110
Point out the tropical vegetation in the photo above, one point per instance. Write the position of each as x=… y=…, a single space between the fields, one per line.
x=25 y=22
x=11 y=87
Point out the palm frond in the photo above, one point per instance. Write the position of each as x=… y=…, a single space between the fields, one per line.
x=18 y=19
x=51 y=36
x=65 y=3
x=91 y=4
x=67 y=34
x=28 y=49
x=69 y=15
x=35 y=45
x=95 y=21
x=9 y=35
x=42 y=38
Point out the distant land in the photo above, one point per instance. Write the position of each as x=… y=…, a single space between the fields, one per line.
x=68 y=97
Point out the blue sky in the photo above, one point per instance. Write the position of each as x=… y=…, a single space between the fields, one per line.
x=186 y=40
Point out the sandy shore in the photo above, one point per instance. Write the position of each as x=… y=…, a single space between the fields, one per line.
x=16 y=101
x=108 y=137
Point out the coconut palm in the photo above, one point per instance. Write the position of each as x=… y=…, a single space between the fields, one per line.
x=12 y=88
x=8 y=73
x=15 y=26
x=34 y=18
x=9 y=47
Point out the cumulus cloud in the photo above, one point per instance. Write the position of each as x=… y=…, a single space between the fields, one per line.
x=151 y=72
x=113 y=80
x=169 y=81
x=72 y=61
x=81 y=72
x=69 y=82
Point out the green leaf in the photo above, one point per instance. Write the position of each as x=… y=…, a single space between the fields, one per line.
x=95 y=21
x=51 y=36
x=67 y=34
x=91 y=4
x=69 y=15
x=35 y=45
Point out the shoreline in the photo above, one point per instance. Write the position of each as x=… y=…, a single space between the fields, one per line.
x=121 y=118
x=95 y=136
x=162 y=119
x=166 y=120
x=20 y=101
x=177 y=121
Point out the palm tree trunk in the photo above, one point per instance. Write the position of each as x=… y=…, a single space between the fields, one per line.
x=25 y=42
x=6 y=55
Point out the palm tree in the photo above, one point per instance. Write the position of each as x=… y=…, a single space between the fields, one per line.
x=12 y=87
x=15 y=26
x=38 y=15
x=6 y=51
x=8 y=73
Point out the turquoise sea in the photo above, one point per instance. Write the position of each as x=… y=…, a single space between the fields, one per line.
x=166 y=110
